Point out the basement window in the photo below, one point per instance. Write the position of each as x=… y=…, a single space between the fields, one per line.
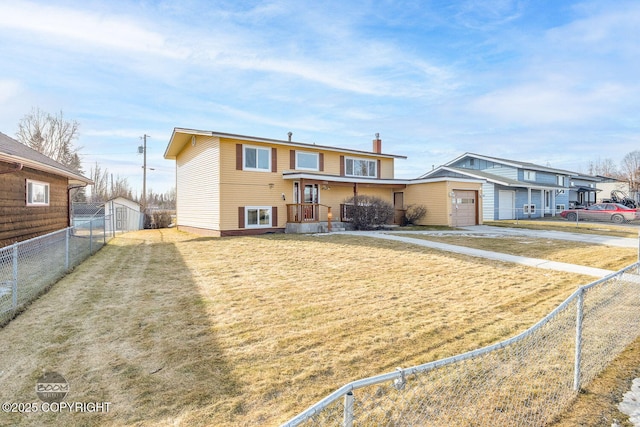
x=257 y=216
x=37 y=193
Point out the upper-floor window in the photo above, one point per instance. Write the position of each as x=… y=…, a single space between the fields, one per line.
x=361 y=167
x=37 y=193
x=307 y=161
x=529 y=175
x=561 y=180
x=257 y=158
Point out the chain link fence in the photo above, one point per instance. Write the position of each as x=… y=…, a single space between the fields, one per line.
x=527 y=380
x=29 y=268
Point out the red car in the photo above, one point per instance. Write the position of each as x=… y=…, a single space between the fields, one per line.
x=614 y=212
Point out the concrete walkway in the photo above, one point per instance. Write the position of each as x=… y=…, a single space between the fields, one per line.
x=488 y=231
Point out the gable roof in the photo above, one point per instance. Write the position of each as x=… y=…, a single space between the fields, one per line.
x=514 y=163
x=489 y=177
x=181 y=136
x=12 y=151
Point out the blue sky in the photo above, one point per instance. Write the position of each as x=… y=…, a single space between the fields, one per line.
x=549 y=82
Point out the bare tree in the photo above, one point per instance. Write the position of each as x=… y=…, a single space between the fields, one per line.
x=603 y=167
x=100 y=178
x=51 y=135
x=630 y=168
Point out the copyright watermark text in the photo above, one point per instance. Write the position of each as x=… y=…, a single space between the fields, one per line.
x=56 y=407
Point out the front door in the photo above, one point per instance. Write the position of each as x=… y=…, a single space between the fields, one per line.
x=310 y=199
x=506 y=204
x=547 y=202
x=398 y=207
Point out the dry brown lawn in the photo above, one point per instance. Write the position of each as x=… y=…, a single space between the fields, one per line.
x=174 y=329
x=598 y=256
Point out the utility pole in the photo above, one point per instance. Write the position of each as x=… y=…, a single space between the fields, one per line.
x=143 y=200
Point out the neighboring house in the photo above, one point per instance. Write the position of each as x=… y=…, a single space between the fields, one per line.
x=607 y=185
x=234 y=184
x=34 y=192
x=122 y=214
x=583 y=190
x=511 y=189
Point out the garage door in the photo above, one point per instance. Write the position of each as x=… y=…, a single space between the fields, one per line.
x=464 y=208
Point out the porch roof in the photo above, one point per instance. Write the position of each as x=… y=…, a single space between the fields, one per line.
x=337 y=178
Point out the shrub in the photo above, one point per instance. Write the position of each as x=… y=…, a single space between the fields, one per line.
x=413 y=214
x=369 y=212
x=157 y=219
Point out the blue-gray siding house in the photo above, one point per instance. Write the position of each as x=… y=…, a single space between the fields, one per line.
x=512 y=189
x=583 y=190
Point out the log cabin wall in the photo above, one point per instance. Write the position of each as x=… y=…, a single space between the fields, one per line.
x=20 y=222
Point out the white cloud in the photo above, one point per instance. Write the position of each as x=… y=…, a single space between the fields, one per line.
x=85 y=28
x=9 y=89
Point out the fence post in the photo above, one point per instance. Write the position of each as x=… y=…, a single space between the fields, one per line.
x=66 y=249
x=90 y=237
x=348 y=410
x=579 y=314
x=14 y=299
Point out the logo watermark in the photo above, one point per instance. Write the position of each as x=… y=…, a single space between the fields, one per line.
x=52 y=387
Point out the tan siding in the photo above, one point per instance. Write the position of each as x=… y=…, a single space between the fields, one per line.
x=197 y=180
x=386 y=169
x=211 y=188
x=251 y=188
x=435 y=197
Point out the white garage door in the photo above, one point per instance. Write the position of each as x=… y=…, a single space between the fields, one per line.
x=464 y=208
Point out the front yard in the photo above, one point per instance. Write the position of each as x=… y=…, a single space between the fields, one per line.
x=173 y=328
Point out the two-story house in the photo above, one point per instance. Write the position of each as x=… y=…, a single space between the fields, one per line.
x=230 y=184
x=512 y=189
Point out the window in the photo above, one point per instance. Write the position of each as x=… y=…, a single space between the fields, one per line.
x=529 y=175
x=561 y=180
x=361 y=167
x=257 y=216
x=308 y=161
x=37 y=193
x=257 y=158
x=560 y=207
x=529 y=209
